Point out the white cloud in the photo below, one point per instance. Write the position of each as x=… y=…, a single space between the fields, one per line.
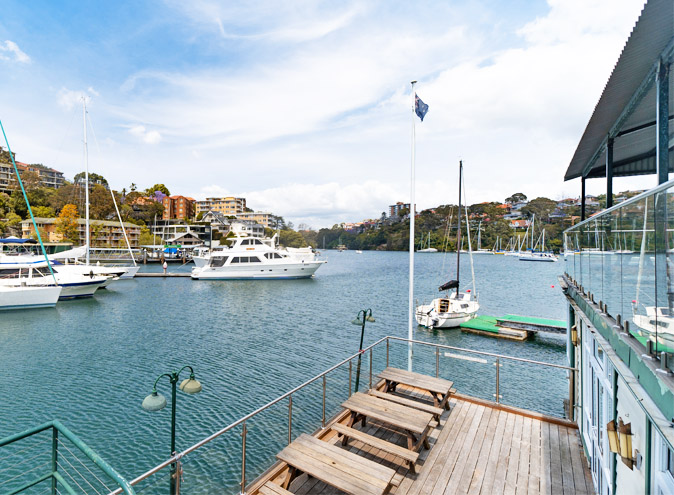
x=11 y=51
x=69 y=99
x=149 y=137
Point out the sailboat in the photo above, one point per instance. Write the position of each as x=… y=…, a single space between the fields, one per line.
x=481 y=250
x=427 y=244
x=455 y=307
x=534 y=255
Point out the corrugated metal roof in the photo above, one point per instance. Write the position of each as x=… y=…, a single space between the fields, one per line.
x=652 y=33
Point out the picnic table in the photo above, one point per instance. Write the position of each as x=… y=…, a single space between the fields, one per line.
x=335 y=466
x=413 y=422
x=439 y=388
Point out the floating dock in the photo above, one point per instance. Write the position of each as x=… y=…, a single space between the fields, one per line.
x=513 y=327
x=162 y=275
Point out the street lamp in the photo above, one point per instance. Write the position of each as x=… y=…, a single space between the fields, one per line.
x=156 y=402
x=363 y=316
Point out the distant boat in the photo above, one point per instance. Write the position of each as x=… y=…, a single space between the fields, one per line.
x=428 y=248
x=456 y=308
x=358 y=251
x=533 y=255
x=341 y=247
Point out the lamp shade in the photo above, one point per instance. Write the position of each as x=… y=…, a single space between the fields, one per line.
x=357 y=321
x=370 y=318
x=154 y=402
x=190 y=386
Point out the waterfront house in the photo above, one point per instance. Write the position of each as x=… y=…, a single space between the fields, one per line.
x=619 y=278
x=104 y=234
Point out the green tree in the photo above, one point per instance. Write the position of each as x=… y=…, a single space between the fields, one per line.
x=100 y=203
x=93 y=179
x=67 y=225
x=147 y=239
x=541 y=207
x=157 y=187
x=44 y=212
x=516 y=198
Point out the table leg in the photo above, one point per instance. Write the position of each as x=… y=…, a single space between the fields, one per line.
x=352 y=420
x=292 y=472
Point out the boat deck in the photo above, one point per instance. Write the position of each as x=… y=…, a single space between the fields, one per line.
x=479 y=448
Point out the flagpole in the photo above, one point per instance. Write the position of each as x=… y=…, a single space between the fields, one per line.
x=410 y=330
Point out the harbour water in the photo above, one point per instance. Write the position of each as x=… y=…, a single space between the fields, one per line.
x=90 y=363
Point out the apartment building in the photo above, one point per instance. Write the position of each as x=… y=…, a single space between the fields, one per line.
x=178 y=208
x=261 y=217
x=229 y=206
x=49 y=177
x=394 y=210
x=103 y=233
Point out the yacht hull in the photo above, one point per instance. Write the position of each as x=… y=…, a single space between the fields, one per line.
x=265 y=271
x=24 y=297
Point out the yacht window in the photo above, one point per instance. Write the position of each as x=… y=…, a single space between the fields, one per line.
x=277 y=256
x=245 y=242
x=257 y=242
x=218 y=261
x=254 y=259
x=235 y=259
x=9 y=273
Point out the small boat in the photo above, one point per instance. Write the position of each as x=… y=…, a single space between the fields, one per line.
x=35 y=275
x=452 y=309
x=541 y=255
x=24 y=297
x=427 y=244
x=254 y=258
x=358 y=251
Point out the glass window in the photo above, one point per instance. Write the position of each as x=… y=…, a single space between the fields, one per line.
x=670 y=461
x=235 y=259
x=218 y=260
x=255 y=259
x=245 y=242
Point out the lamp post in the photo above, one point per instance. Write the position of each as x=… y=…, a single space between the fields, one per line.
x=156 y=402
x=363 y=316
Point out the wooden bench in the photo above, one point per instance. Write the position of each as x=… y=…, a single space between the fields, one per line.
x=270 y=488
x=391 y=448
x=439 y=388
x=435 y=411
x=344 y=470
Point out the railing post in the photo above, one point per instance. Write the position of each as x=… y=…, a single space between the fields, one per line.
x=54 y=459
x=323 y=416
x=290 y=419
x=370 y=367
x=498 y=380
x=437 y=361
x=350 y=371
x=387 y=344
x=572 y=387
x=178 y=476
x=244 y=432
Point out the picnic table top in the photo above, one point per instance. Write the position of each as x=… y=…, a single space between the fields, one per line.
x=424 y=382
x=337 y=467
x=389 y=412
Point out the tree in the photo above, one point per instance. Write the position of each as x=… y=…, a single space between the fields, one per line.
x=100 y=203
x=66 y=224
x=5 y=204
x=157 y=187
x=93 y=179
x=43 y=212
x=541 y=207
x=147 y=239
x=516 y=198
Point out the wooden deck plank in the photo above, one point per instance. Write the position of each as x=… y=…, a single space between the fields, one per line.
x=523 y=472
x=498 y=485
x=578 y=464
x=491 y=441
x=494 y=456
x=567 y=469
x=464 y=478
x=427 y=478
x=555 y=461
x=456 y=461
x=546 y=455
x=535 y=459
x=514 y=457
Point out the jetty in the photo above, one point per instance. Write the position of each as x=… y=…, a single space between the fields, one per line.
x=513 y=327
x=163 y=275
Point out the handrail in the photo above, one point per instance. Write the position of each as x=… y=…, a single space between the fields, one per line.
x=627 y=202
x=124 y=486
x=175 y=458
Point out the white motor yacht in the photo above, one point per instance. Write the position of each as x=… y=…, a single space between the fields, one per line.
x=254 y=258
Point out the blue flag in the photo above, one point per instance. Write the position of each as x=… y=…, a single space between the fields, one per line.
x=420 y=108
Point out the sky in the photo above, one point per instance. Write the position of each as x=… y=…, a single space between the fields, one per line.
x=305 y=108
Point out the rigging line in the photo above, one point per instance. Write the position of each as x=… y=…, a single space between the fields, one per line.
x=114 y=200
x=470 y=250
x=25 y=197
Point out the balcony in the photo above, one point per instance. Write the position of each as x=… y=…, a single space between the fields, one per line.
x=623 y=258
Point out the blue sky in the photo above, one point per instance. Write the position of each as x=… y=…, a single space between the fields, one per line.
x=304 y=108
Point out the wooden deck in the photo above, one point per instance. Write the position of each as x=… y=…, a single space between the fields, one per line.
x=477 y=449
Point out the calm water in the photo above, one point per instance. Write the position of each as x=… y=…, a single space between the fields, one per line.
x=90 y=363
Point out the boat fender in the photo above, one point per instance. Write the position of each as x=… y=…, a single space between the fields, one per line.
x=91 y=274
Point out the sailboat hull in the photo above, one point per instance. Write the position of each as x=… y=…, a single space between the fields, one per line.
x=446 y=313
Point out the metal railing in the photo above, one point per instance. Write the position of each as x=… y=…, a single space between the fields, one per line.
x=244 y=421
x=60 y=459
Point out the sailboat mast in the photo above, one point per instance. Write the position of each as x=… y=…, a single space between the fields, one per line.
x=86 y=175
x=458 y=231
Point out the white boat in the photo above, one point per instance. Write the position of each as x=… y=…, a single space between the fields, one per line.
x=254 y=258
x=25 y=297
x=541 y=255
x=358 y=251
x=428 y=248
x=34 y=275
x=202 y=255
x=455 y=308
x=657 y=321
